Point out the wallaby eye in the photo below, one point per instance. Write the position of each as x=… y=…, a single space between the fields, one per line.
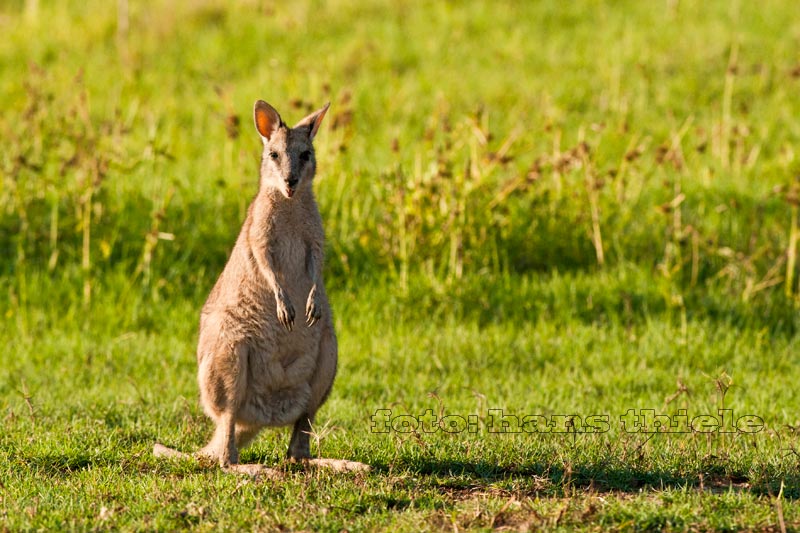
x=305 y=156
x=273 y=156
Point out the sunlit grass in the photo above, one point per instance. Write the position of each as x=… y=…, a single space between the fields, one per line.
x=546 y=208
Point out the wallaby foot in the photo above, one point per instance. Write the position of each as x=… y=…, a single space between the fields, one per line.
x=263 y=471
x=223 y=455
x=338 y=465
x=159 y=450
x=252 y=470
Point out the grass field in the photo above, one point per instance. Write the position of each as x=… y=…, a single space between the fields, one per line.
x=570 y=211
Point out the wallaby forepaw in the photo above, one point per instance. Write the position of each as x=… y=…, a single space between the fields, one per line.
x=285 y=312
x=313 y=309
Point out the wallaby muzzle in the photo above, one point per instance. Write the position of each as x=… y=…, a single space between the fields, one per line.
x=291 y=186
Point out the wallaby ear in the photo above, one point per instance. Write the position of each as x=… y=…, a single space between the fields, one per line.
x=267 y=119
x=313 y=121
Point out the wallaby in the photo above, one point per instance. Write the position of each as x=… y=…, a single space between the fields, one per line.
x=256 y=368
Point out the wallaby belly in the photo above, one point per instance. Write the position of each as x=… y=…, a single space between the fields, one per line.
x=279 y=364
x=280 y=369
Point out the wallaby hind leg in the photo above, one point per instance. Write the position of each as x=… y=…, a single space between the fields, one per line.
x=299 y=447
x=321 y=383
x=299 y=450
x=222 y=446
x=322 y=380
x=223 y=385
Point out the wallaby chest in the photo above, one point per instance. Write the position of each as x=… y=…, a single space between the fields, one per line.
x=288 y=242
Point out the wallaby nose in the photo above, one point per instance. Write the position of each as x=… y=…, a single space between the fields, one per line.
x=291 y=182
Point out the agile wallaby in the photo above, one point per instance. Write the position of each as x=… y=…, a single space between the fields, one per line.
x=256 y=367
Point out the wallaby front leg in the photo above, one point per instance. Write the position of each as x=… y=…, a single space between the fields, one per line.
x=313 y=308
x=314 y=266
x=284 y=307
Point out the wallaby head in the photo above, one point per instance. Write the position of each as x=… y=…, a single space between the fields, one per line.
x=288 y=162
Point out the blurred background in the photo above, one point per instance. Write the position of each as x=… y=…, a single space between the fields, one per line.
x=465 y=138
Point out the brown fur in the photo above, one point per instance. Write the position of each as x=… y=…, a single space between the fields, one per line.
x=258 y=368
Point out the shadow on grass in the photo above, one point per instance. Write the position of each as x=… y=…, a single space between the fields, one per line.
x=462 y=478
x=466 y=479
x=59 y=464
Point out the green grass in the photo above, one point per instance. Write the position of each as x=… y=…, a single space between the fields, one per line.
x=547 y=208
